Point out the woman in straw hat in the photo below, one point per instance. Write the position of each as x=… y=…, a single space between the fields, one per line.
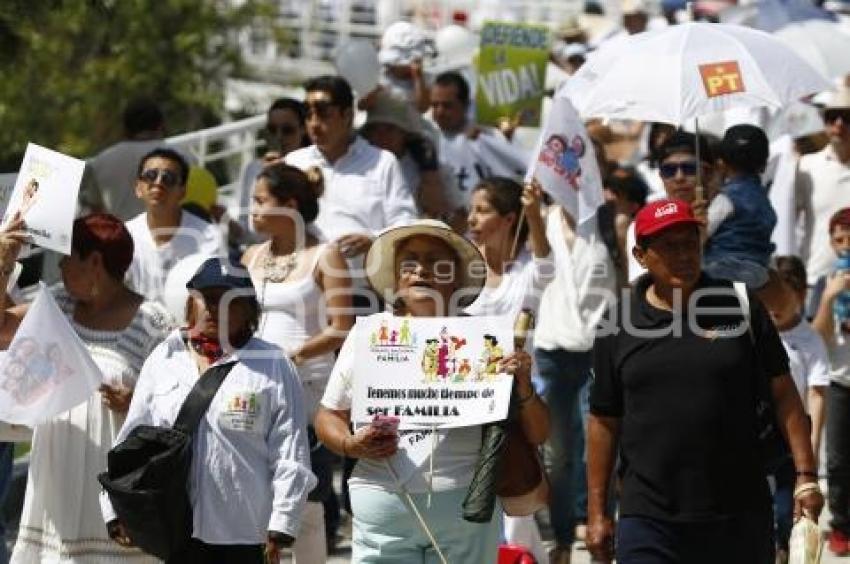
x=425 y=270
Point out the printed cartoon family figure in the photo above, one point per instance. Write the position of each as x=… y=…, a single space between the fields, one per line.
x=386 y=337
x=441 y=362
x=30 y=373
x=564 y=157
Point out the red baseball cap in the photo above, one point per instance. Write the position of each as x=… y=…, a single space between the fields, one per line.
x=659 y=215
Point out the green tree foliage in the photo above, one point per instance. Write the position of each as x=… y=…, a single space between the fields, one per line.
x=70 y=66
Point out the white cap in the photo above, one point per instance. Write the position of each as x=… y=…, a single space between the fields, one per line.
x=403 y=43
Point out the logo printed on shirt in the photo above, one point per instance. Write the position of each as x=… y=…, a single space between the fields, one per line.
x=241 y=412
x=721 y=78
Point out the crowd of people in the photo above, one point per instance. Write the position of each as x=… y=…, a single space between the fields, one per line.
x=662 y=324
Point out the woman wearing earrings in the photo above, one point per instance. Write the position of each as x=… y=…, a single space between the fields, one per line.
x=305 y=294
x=61 y=519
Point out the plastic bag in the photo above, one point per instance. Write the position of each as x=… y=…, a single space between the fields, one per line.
x=806 y=542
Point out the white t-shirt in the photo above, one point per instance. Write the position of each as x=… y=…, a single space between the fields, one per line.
x=454 y=451
x=822 y=187
x=807 y=358
x=151 y=263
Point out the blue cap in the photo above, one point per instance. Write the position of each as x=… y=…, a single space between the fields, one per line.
x=217 y=273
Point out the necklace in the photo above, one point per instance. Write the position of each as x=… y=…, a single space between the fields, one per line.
x=278 y=269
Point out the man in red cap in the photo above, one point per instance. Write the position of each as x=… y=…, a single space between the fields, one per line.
x=676 y=377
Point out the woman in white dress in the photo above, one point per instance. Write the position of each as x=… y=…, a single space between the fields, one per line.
x=516 y=278
x=305 y=294
x=61 y=520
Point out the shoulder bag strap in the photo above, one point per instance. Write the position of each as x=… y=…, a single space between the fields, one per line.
x=198 y=401
x=741 y=292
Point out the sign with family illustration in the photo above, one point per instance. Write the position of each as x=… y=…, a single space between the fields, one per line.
x=45 y=194
x=432 y=372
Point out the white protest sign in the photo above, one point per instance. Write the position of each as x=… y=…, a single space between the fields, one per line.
x=433 y=372
x=7 y=184
x=47 y=369
x=46 y=195
x=564 y=162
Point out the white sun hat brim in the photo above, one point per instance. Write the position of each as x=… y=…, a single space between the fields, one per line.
x=471 y=271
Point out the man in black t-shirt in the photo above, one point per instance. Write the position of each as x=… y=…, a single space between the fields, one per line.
x=674 y=387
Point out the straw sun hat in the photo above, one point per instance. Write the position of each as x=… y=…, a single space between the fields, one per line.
x=471 y=271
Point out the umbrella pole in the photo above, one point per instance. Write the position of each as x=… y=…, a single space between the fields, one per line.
x=700 y=191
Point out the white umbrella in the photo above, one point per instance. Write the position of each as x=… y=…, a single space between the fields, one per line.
x=823 y=44
x=689 y=70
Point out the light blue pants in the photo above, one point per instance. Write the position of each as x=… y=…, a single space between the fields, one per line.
x=386 y=529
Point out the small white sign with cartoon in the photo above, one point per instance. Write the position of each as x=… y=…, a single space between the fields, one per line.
x=45 y=194
x=437 y=372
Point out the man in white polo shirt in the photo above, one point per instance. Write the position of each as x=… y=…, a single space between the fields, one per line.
x=165 y=233
x=364 y=188
x=823 y=185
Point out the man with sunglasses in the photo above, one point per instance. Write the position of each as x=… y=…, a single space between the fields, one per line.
x=164 y=233
x=365 y=191
x=823 y=185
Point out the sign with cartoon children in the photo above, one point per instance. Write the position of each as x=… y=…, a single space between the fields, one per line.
x=47 y=370
x=564 y=162
x=45 y=194
x=433 y=372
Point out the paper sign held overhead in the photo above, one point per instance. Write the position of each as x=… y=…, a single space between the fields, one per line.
x=45 y=193
x=511 y=69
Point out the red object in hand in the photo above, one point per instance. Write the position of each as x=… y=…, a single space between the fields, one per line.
x=387 y=424
x=515 y=554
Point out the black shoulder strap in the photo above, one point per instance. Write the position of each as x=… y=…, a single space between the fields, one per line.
x=198 y=401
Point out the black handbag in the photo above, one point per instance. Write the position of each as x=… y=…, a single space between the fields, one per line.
x=148 y=473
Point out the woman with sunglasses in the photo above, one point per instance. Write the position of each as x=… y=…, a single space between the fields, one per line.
x=305 y=294
x=285 y=131
x=61 y=520
x=678 y=166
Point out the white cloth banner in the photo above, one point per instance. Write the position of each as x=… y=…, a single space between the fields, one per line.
x=47 y=369
x=437 y=372
x=46 y=195
x=564 y=162
x=472 y=160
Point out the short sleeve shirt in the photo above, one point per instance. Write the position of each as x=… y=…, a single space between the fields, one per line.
x=684 y=391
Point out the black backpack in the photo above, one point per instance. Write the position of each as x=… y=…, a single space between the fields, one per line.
x=148 y=473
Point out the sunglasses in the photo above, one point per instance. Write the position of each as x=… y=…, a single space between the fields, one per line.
x=830 y=116
x=669 y=170
x=321 y=110
x=167 y=178
x=281 y=130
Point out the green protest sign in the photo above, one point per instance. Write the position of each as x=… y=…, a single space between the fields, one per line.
x=511 y=70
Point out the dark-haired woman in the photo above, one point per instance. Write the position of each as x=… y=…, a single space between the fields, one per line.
x=304 y=291
x=250 y=472
x=285 y=131
x=61 y=520
x=516 y=277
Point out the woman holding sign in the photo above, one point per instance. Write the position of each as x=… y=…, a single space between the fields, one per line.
x=430 y=271
x=61 y=520
x=503 y=217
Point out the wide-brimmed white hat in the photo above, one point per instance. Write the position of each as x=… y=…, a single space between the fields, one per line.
x=471 y=270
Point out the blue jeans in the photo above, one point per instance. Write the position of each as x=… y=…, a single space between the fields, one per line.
x=783 y=502
x=566 y=375
x=6 y=462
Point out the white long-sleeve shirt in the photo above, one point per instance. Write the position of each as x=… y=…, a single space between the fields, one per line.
x=251 y=462
x=365 y=190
